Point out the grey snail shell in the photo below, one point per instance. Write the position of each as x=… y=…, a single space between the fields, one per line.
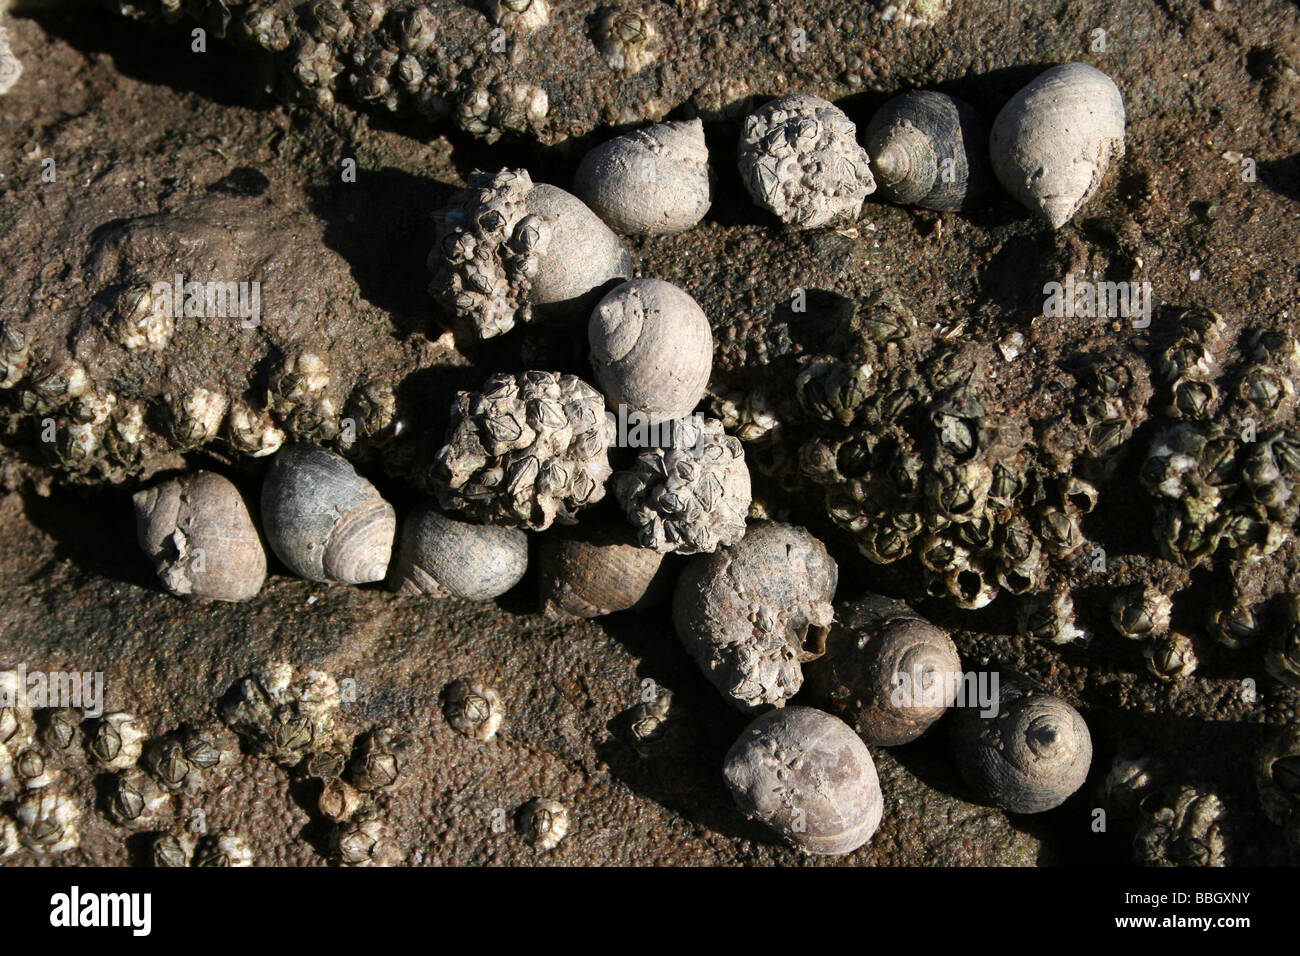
x=1054 y=140
x=1031 y=756
x=197 y=531
x=323 y=520
x=930 y=150
x=887 y=672
x=809 y=777
x=445 y=556
x=597 y=569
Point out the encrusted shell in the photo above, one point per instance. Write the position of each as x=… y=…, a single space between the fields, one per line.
x=197 y=531
x=807 y=776
x=1054 y=140
x=651 y=182
x=887 y=672
x=799 y=158
x=1028 y=758
x=751 y=613
x=323 y=520
x=598 y=568
x=652 y=349
x=931 y=150
x=443 y=556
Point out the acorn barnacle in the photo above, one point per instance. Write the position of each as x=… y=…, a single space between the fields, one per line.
x=197 y=531
x=136 y=801
x=444 y=556
x=14 y=356
x=599 y=568
x=47 y=821
x=379 y=760
x=1180 y=829
x=196 y=415
x=807 y=776
x=171 y=849
x=226 y=849
x=505 y=246
x=751 y=613
x=116 y=741
x=366 y=840
x=627 y=39
x=323 y=520
x=543 y=823
x=887 y=672
x=299 y=396
x=522 y=16
x=473 y=708
x=1282 y=655
x=1028 y=758
x=1170 y=656
x=283 y=715
x=1053 y=142
x=651 y=182
x=1141 y=612
x=137 y=323
x=527 y=450
x=800 y=160
x=693 y=495
x=252 y=431
x=931 y=150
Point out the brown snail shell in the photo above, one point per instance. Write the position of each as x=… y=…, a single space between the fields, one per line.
x=809 y=777
x=597 y=569
x=197 y=531
x=887 y=672
x=930 y=150
x=651 y=348
x=448 y=557
x=1030 y=757
x=323 y=520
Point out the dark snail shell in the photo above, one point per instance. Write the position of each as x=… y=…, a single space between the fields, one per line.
x=887 y=672
x=931 y=150
x=598 y=568
x=197 y=531
x=323 y=520
x=1028 y=758
x=446 y=556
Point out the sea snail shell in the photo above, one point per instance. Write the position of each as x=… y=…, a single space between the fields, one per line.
x=931 y=150
x=809 y=777
x=651 y=348
x=597 y=568
x=887 y=672
x=197 y=531
x=1029 y=758
x=651 y=182
x=445 y=556
x=323 y=520
x=1054 y=140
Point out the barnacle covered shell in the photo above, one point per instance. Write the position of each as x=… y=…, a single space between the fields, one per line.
x=651 y=182
x=807 y=776
x=442 y=556
x=751 y=613
x=931 y=150
x=799 y=158
x=1054 y=140
x=197 y=531
x=1028 y=758
x=323 y=520
x=691 y=496
x=887 y=672
x=525 y=451
x=598 y=568
x=505 y=246
x=652 y=349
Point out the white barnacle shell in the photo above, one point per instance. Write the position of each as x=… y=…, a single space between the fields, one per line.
x=323 y=520
x=446 y=556
x=117 y=742
x=652 y=350
x=651 y=182
x=252 y=430
x=627 y=39
x=196 y=416
x=47 y=822
x=139 y=323
x=197 y=531
x=544 y=823
x=1054 y=140
x=799 y=158
x=10 y=68
x=521 y=16
x=929 y=149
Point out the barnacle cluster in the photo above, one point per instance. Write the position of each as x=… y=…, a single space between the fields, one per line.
x=1180 y=828
x=282 y=714
x=527 y=450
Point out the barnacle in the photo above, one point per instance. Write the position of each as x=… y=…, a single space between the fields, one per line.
x=224 y=850
x=47 y=822
x=544 y=823
x=136 y=801
x=283 y=717
x=196 y=416
x=473 y=708
x=1171 y=656
x=1141 y=612
x=299 y=398
x=1282 y=657
x=1050 y=617
x=1277 y=775
x=1181 y=829
x=117 y=741
x=138 y=322
x=527 y=450
x=378 y=764
x=366 y=840
x=627 y=39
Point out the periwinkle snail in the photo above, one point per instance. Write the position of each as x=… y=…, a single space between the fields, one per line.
x=807 y=776
x=751 y=613
x=887 y=672
x=930 y=150
x=597 y=569
x=1031 y=756
x=1054 y=140
x=445 y=556
x=323 y=520
x=651 y=348
x=197 y=531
